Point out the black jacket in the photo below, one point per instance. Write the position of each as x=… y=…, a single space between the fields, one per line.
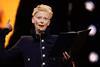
x=35 y=51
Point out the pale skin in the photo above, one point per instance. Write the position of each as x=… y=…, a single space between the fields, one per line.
x=41 y=21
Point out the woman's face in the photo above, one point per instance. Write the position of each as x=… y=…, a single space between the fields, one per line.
x=41 y=20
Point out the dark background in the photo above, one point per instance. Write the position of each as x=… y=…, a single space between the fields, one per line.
x=63 y=21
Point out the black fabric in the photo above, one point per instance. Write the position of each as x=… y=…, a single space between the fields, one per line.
x=3 y=33
x=28 y=50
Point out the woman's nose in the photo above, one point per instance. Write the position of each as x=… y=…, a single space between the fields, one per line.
x=42 y=21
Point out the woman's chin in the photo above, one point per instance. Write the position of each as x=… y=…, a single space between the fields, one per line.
x=41 y=30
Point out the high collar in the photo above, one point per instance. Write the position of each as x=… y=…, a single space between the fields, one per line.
x=42 y=36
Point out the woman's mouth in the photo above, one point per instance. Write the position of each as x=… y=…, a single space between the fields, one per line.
x=41 y=25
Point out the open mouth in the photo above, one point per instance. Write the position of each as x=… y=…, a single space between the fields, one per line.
x=41 y=25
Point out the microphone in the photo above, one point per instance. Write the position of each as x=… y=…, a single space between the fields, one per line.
x=42 y=34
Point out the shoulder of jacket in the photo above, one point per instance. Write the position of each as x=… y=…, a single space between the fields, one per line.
x=54 y=35
x=26 y=36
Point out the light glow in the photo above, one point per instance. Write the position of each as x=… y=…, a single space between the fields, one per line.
x=93 y=57
x=89 y=5
x=9 y=8
x=93 y=30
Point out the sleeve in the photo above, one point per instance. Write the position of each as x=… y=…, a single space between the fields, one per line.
x=3 y=33
x=10 y=54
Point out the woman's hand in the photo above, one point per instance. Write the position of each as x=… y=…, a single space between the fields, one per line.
x=8 y=26
x=67 y=57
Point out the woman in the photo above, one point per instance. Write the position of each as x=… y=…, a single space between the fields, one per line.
x=37 y=50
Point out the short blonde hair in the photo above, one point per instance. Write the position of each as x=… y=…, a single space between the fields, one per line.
x=43 y=7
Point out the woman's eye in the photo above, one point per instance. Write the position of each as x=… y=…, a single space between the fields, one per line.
x=46 y=18
x=39 y=17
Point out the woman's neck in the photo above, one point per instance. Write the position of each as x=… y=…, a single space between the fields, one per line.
x=38 y=32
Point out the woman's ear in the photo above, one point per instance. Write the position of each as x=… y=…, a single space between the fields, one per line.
x=33 y=20
x=48 y=22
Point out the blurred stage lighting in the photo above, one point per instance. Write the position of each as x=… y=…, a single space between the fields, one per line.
x=89 y=5
x=93 y=30
x=93 y=57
